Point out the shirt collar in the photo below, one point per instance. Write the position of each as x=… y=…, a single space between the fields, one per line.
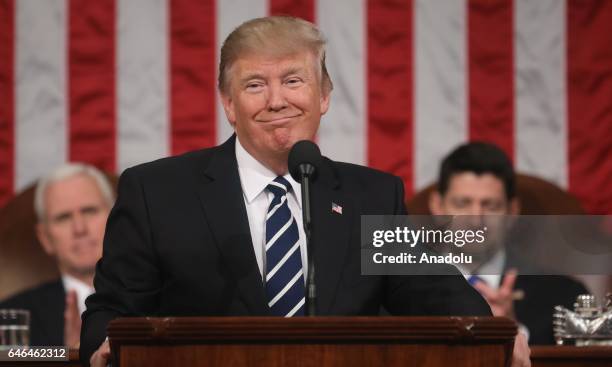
x=71 y=282
x=491 y=271
x=82 y=289
x=254 y=176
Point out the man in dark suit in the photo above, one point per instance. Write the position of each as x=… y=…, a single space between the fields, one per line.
x=47 y=304
x=477 y=179
x=218 y=231
x=72 y=204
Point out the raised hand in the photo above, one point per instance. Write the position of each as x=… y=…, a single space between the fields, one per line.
x=501 y=300
x=72 y=321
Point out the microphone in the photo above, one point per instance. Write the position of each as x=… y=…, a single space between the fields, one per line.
x=304 y=158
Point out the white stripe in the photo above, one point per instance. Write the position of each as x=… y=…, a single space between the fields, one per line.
x=282 y=261
x=230 y=14
x=142 y=82
x=274 y=183
x=40 y=83
x=278 y=234
x=540 y=82
x=285 y=289
x=343 y=131
x=440 y=83
x=271 y=212
x=297 y=307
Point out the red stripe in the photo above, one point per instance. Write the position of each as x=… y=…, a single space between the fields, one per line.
x=589 y=85
x=91 y=82
x=192 y=75
x=7 y=100
x=390 y=88
x=491 y=78
x=304 y=9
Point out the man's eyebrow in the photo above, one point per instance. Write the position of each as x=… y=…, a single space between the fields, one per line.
x=293 y=70
x=256 y=75
x=251 y=77
x=61 y=215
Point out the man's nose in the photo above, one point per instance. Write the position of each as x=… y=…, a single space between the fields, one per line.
x=476 y=213
x=276 y=97
x=79 y=224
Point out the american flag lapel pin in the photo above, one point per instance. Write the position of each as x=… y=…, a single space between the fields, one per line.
x=336 y=208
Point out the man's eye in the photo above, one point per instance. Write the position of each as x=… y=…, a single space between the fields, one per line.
x=91 y=210
x=62 y=218
x=493 y=206
x=461 y=203
x=253 y=86
x=293 y=81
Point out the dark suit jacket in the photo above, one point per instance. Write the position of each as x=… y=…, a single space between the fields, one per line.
x=178 y=243
x=541 y=294
x=46 y=304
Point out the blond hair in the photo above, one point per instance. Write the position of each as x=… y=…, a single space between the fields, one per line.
x=277 y=36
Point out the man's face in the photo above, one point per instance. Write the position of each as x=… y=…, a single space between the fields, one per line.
x=472 y=194
x=274 y=102
x=73 y=226
x=482 y=198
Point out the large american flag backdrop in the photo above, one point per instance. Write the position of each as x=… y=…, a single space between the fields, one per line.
x=120 y=82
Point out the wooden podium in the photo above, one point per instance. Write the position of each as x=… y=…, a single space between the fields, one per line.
x=312 y=341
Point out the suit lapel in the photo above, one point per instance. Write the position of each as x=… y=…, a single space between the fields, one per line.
x=331 y=231
x=222 y=200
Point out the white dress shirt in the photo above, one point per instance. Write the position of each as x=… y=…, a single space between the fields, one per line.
x=491 y=271
x=254 y=177
x=82 y=290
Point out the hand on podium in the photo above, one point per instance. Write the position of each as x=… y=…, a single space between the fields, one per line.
x=101 y=356
x=521 y=352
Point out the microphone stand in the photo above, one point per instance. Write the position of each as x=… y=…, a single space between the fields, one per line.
x=306 y=171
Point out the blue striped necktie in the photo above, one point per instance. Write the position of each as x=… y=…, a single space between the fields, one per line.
x=473 y=279
x=284 y=272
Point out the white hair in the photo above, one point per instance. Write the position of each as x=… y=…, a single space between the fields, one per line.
x=66 y=171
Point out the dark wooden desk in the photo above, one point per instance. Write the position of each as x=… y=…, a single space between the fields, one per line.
x=541 y=356
x=312 y=342
x=565 y=356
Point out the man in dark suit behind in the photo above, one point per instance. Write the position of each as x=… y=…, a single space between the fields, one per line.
x=197 y=234
x=71 y=204
x=478 y=179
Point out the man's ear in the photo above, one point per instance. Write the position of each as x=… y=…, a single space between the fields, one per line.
x=515 y=206
x=228 y=107
x=435 y=203
x=325 y=98
x=43 y=238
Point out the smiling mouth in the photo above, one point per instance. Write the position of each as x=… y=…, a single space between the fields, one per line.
x=278 y=120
